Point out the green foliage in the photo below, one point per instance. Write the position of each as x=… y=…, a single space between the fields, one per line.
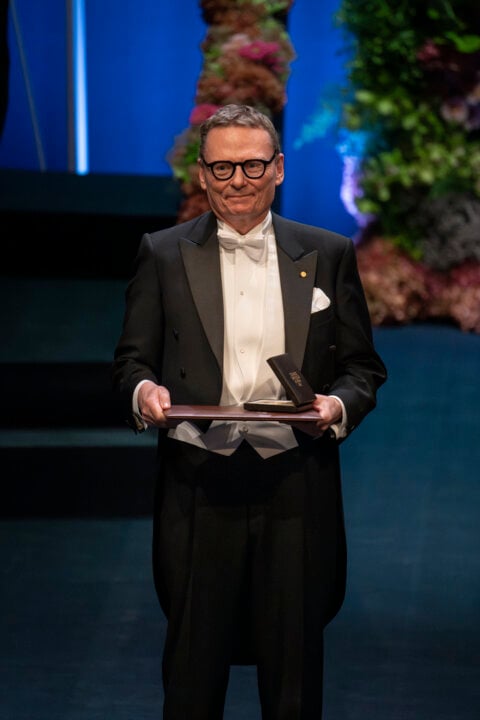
x=420 y=141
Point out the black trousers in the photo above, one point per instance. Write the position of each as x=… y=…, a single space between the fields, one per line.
x=249 y=565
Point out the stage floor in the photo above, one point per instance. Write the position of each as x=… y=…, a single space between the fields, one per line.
x=82 y=632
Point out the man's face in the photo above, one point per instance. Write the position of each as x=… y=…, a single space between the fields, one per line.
x=241 y=202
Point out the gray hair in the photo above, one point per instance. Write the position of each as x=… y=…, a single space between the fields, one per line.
x=240 y=116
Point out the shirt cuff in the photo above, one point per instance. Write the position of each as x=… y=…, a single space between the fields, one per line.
x=340 y=428
x=140 y=423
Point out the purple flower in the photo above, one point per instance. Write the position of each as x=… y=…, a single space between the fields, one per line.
x=202 y=112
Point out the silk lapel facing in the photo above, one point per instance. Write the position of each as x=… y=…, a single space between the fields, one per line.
x=297 y=276
x=202 y=266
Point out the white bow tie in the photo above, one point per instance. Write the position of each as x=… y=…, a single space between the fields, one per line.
x=252 y=243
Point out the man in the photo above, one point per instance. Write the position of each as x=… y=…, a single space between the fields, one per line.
x=249 y=546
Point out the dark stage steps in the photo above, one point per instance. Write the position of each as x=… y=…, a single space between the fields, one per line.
x=66 y=472
x=68 y=246
x=65 y=450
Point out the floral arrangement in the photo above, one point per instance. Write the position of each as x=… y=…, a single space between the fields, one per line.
x=247 y=55
x=408 y=128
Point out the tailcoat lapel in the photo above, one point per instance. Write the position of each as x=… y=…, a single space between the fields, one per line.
x=202 y=266
x=297 y=276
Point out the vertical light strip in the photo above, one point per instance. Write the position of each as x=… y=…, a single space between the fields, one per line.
x=28 y=88
x=80 y=104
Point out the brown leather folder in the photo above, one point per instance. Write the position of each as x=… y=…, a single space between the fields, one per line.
x=234 y=412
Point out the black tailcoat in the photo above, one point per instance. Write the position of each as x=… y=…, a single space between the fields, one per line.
x=173 y=333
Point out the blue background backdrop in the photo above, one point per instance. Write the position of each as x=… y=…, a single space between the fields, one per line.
x=143 y=63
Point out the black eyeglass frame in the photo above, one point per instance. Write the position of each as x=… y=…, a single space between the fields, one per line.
x=234 y=165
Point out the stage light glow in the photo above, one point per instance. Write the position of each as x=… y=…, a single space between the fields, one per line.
x=79 y=48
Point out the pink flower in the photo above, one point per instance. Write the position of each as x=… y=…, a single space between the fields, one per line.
x=264 y=52
x=202 y=112
x=428 y=52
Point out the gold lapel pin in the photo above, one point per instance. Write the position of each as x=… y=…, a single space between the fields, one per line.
x=303 y=274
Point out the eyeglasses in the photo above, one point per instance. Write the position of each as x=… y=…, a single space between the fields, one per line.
x=224 y=169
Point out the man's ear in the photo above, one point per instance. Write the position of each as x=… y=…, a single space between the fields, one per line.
x=201 y=175
x=280 y=169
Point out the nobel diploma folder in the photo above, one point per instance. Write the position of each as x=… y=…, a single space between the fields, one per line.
x=228 y=413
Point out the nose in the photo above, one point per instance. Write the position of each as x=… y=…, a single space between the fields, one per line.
x=238 y=178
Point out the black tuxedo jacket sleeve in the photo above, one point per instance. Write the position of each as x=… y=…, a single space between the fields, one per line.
x=173 y=325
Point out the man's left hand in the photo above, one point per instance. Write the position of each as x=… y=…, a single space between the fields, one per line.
x=329 y=412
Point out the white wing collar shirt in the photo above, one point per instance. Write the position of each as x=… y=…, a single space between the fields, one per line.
x=254 y=331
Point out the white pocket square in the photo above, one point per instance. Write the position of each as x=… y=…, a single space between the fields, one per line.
x=320 y=301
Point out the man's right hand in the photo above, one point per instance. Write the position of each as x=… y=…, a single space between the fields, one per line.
x=152 y=401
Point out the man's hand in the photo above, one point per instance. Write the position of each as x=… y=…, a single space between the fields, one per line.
x=152 y=401
x=329 y=412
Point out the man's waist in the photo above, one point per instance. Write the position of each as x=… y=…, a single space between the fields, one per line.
x=267 y=438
